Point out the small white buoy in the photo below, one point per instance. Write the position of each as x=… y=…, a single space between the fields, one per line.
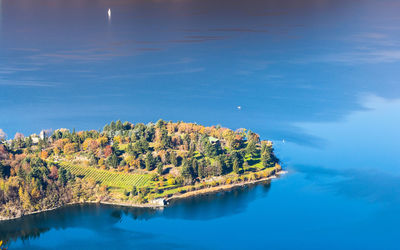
x=109 y=13
x=239 y=107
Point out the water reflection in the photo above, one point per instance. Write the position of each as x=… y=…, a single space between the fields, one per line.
x=90 y=216
x=212 y=206
x=102 y=218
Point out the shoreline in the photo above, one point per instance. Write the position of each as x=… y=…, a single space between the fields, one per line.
x=223 y=187
x=204 y=191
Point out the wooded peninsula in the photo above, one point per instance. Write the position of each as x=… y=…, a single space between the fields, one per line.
x=127 y=164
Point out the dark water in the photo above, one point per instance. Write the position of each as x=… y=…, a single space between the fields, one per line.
x=320 y=78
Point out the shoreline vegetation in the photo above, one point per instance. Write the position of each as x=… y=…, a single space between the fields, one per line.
x=128 y=164
x=205 y=191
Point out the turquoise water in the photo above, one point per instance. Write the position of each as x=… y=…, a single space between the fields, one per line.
x=319 y=78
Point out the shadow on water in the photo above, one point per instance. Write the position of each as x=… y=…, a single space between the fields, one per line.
x=91 y=216
x=216 y=205
x=100 y=217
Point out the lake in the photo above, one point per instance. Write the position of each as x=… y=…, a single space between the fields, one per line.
x=319 y=78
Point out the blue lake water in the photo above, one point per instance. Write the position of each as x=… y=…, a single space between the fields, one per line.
x=319 y=78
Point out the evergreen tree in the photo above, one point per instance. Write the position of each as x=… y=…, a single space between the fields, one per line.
x=173 y=159
x=201 y=171
x=186 y=172
x=217 y=168
x=251 y=148
x=236 y=166
x=160 y=168
x=4 y=171
x=62 y=176
x=195 y=167
x=113 y=160
x=149 y=161
x=134 y=191
x=119 y=125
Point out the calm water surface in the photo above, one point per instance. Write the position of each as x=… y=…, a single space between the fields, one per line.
x=320 y=78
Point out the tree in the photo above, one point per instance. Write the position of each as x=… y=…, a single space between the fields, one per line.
x=24 y=198
x=4 y=171
x=108 y=151
x=141 y=146
x=3 y=135
x=3 y=152
x=119 y=125
x=53 y=172
x=187 y=173
x=210 y=149
x=251 y=148
x=102 y=141
x=236 y=166
x=19 y=136
x=160 y=123
x=134 y=191
x=62 y=176
x=266 y=146
x=160 y=168
x=201 y=171
x=91 y=145
x=44 y=154
x=217 y=168
x=173 y=159
x=70 y=148
x=149 y=161
x=113 y=161
x=195 y=167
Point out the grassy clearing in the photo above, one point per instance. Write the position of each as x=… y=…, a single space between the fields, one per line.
x=111 y=179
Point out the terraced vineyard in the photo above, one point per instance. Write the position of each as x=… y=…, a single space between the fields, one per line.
x=112 y=179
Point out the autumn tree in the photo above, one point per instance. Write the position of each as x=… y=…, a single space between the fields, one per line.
x=108 y=151
x=44 y=154
x=70 y=148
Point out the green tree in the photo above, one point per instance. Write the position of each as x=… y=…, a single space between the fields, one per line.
x=201 y=171
x=195 y=167
x=4 y=171
x=149 y=161
x=236 y=168
x=251 y=148
x=113 y=160
x=186 y=172
x=217 y=168
x=134 y=191
x=173 y=159
x=160 y=168
x=62 y=176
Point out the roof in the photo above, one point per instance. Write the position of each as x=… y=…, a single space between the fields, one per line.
x=213 y=139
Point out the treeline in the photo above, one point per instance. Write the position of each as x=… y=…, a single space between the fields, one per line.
x=30 y=178
x=29 y=183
